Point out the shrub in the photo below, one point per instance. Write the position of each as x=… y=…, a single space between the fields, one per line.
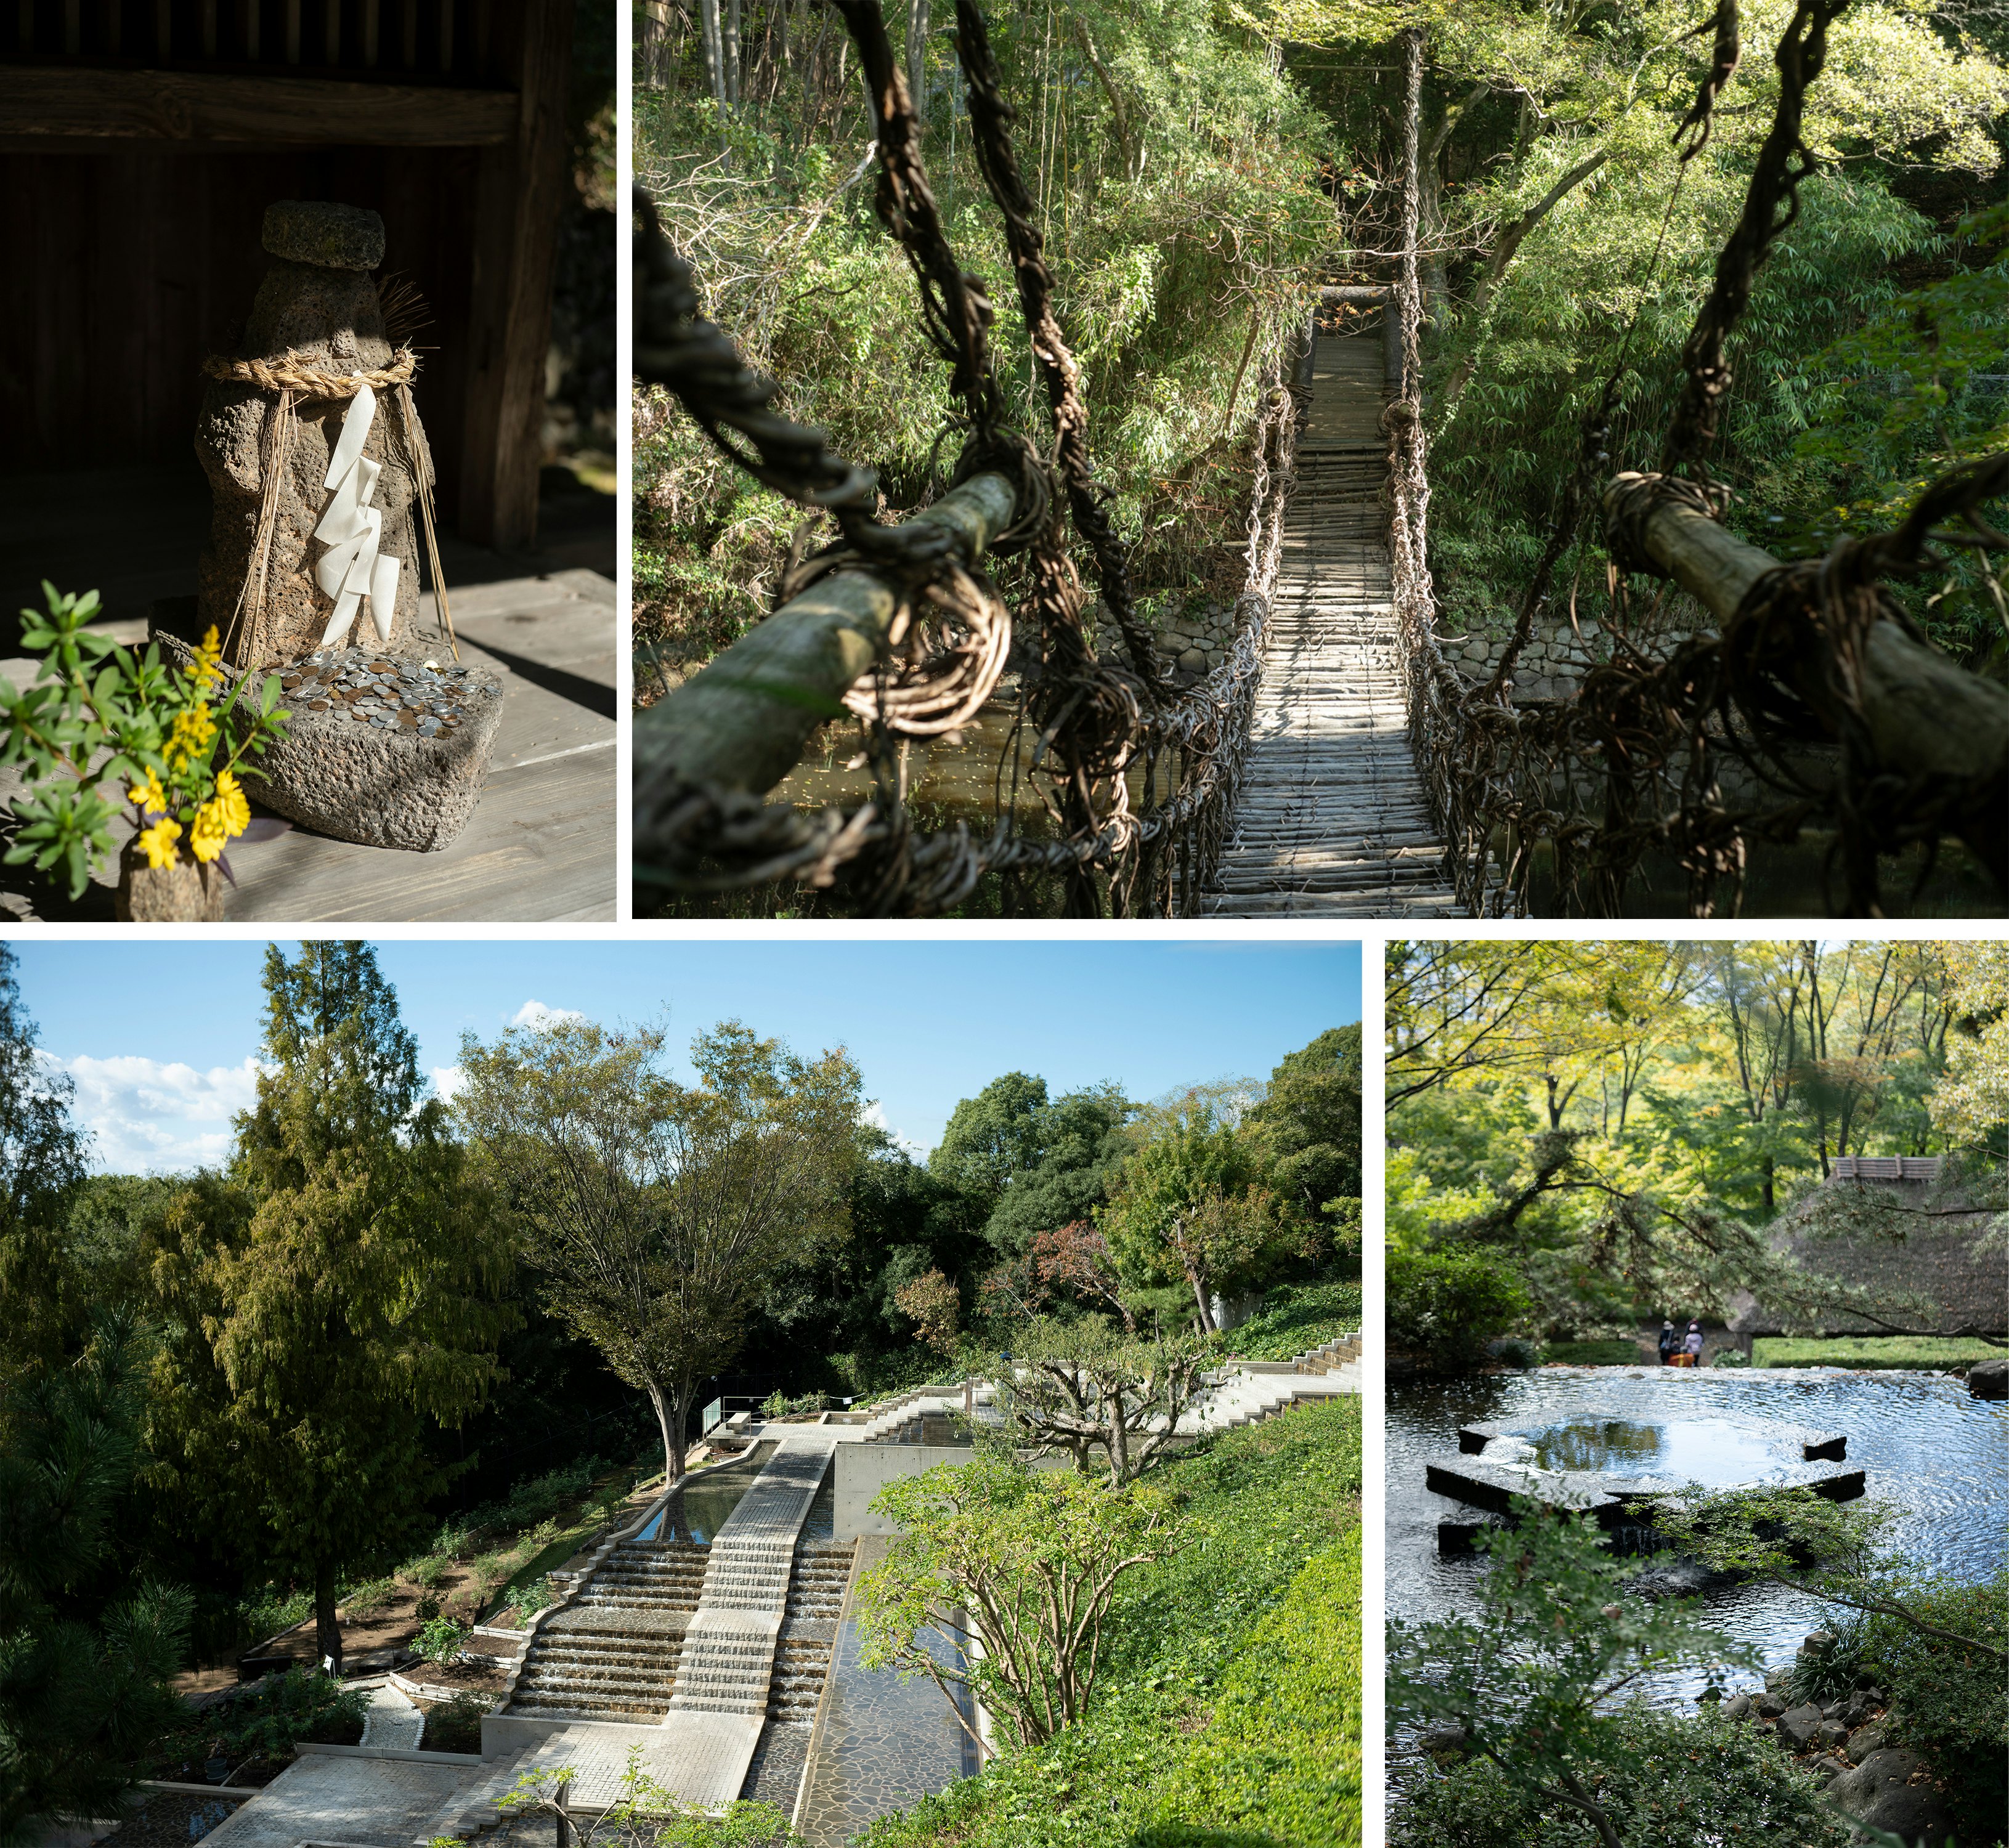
x=268 y=1720
x=777 y=1404
x=1949 y=1703
x=1593 y=1354
x=440 y=1641
x=1444 y=1306
x=455 y=1726
x=428 y=1608
x=1663 y=1777
x=428 y=1571
x=1729 y=1356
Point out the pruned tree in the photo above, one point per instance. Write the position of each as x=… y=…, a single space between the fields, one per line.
x=658 y=1212
x=1109 y=1402
x=932 y=1303
x=998 y=1585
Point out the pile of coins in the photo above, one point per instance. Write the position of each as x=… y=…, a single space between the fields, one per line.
x=377 y=689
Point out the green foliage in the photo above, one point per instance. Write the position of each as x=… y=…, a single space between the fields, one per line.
x=1270 y=1515
x=85 y=1667
x=1296 y=1317
x=441 y=1641
x=1309 y=1123
x=1592 y=1354
x=1028 y=1559
x=1193 y=1205
x=658 y=1212
x=1923 y=1352
x=97 y=714
x=1832 y=1674
x=534 y=1499
x=1026 y=1164
x=1444 y=1306
x=1178 y=196
x=334 y=1299
x=455 y=1726
x=1661 y=1777
x=1535 y=1677
x=42 y=1152
x=267 y=1721
x=1951 y=1703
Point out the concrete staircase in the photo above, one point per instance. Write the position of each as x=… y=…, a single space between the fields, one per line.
x=612 y=1653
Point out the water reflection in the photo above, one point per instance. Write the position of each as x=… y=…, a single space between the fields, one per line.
x=1937 y=1458
x=1711 y=1452
x=697 y=1510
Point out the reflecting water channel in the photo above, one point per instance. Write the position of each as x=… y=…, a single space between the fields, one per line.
x=697 y=1510
x=1936 y=1456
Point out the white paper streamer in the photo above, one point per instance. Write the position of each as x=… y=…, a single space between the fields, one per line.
x=350 y=569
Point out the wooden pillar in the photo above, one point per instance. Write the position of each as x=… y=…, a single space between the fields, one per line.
x=519 y=194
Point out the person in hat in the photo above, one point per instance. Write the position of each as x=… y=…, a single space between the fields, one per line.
x=1692 y=1345
x=1669 y=1341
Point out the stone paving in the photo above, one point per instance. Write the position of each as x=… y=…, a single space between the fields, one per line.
x=392 y=1721
x=383 y=1802
x=882 y=1743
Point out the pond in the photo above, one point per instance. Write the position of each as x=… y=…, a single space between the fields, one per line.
x=697 y=1511
x=1936 y=1456
x=1713 y=1453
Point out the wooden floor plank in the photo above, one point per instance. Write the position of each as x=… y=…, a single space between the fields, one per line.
x=1332 y=818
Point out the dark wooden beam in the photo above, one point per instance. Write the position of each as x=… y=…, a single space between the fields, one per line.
x=519 y=196
x=50 y=105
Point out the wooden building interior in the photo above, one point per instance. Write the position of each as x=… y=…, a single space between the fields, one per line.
x=140 y=143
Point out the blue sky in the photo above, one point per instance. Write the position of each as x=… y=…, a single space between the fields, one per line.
x=162 y=1041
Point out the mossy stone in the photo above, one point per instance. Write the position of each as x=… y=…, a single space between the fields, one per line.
x=337 y=237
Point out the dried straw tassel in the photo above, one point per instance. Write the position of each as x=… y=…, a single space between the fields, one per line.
x=421 y=459
x=251 y=596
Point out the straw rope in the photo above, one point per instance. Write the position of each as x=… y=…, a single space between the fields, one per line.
x=296 y=373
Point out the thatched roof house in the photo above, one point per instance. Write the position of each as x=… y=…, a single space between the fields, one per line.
x=1907 y=1240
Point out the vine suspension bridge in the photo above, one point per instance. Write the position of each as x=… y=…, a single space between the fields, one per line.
x=1335 y=762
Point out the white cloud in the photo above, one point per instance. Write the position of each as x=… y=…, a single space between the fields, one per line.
x=876 y=1115
x=151 y=1118
x=537 y=1016
x=447 y=1080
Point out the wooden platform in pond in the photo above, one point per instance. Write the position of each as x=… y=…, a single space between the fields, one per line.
x=1332 y=819
x=540 y=846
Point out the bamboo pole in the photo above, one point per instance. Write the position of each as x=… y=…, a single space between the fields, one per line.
x=1926 y=716
x=741 y=722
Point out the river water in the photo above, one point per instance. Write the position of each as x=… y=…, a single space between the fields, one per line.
x=1936 y=1456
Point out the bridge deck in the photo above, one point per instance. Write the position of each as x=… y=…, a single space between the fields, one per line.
x=1332 y=818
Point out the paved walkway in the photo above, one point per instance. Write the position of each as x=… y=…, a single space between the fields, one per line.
x=381 y=1803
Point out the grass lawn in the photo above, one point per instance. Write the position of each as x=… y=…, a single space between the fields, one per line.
x=1868 y=1350
x=1296 y=1318
x=1228 y=1715
x=1593 y=1354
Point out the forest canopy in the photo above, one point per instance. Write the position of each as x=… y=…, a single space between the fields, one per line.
x=1199 y=169
x=1581 y=1135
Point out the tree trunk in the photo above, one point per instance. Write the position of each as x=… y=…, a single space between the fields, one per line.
x=1199 y=1290
x=327 y=1632
x=670 y=1421
x=712 y=35
x=917 y=61
x=731 y=47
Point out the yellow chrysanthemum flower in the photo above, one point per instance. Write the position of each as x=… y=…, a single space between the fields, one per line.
x=208 y=837
x=231 y=803
x=208 y=661
x=157 y=843
x=148 y=797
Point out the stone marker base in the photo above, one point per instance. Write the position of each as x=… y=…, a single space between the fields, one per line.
x=348 y=766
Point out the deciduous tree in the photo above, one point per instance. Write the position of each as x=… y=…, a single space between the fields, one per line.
x=657 y=1212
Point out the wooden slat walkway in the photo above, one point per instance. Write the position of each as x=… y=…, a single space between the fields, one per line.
x=1332 y=818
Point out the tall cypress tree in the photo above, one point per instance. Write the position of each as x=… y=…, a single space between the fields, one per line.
x=42 y=1167
x=337 y=1293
